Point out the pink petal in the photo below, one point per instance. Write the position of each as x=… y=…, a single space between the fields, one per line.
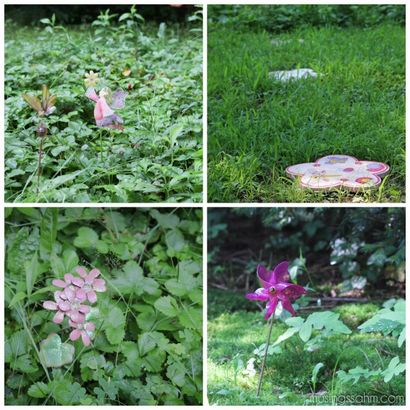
x=59 y=295
x=92 y=297
x=271 y=308
x=99 y=285
x=81 y=271
x=68 y=278
x=49 y=305
x=259 y=294
x=64 y=306
x=281 y=273
x=72 y=324
x=59 y=283
x=288 y=306
x=75 y=334
x=69 y=293
x=76 y=316
x=264 y=276
x=92 y=275
x=58 y=317
x=84 y=309
x=86 y=339
x=78 y=282
x=81 y=295
x=90 y=326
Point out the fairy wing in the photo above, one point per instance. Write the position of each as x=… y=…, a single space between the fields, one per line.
x=118 y=99
x=91 y=94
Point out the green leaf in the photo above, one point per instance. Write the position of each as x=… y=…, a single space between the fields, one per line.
x=288 y=333
x=394 y=369
x=115 y=325
x=305 y=331
x=167 y=305
x=175 y=240
x=33 y=270
x=165 y=220
x=54 y=353
x=24 y=364
x=18 y=297
x=176 y=373
x=16 y=345
x=86 y=238
x=315 y=372
x=68 y=393
x=48 y=231
x=38 y=390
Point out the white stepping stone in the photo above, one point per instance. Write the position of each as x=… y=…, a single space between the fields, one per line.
x=336 y=171
x=296 y=74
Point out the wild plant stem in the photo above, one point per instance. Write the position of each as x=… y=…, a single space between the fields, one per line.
x=39 y=170
x=264 y=357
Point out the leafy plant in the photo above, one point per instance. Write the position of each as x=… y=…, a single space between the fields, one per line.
x=147 y=343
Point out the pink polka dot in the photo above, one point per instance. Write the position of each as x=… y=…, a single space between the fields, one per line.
x=348 y=170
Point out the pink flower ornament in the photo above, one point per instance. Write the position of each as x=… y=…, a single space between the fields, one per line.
x=71 y=301
x=84 y=330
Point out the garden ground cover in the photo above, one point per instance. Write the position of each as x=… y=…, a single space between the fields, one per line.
x=257 y=126
x=233 y=337
x=147 y=346
x=158 y=157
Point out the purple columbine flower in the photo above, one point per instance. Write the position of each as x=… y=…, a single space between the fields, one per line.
x=276 y=288
x=89 y=284
x=83 y=330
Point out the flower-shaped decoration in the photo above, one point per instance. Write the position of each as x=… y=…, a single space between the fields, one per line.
x=71 y=301
x=276 y=287
x=91 y=79
x=339 y=171
x=84 y=330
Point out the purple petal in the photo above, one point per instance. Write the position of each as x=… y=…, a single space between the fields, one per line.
x=76 y=317
x=49 y=305
x=58 y=295
x=68 y=278
x=92 y=275
x=78 y=282
x=64 y=306
x=118 y=99
x=84 y=309
x=58 y=317
x=264 y=276
x=281 y=273
x=69 y=293
x=259 y=294
x=290 y=290
x=89 y=326
x=59 y=283
x=81 y=295
x=271 y=307
x=75 y=334
x=81 y=271
x=92 y=297
x=99 y=285
x=85 y=338
x=287 y=306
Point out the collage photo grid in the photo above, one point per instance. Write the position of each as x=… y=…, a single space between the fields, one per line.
x=204 y=204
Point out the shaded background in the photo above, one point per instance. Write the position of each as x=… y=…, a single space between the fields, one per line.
x=340 y=253
x=278 y=18
x=78 y=14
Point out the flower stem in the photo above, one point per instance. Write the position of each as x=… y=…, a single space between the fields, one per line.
x=39 y=168
x=264 y=357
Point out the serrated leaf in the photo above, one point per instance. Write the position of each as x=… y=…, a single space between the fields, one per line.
x=165 y=220
x=167 y=305
x=175 y=240
x=38 y=390
x=68 y=393
x=86 y=238
x=176 y=373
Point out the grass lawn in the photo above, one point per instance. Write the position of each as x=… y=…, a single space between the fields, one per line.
x=258 y=126
x=233 y=337
x=158 y=157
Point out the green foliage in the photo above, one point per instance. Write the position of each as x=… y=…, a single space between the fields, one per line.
x=158 y=157
x=389 y=320
x=284 y=18
x=234 y=365
x=257 y=127
x=147 y=346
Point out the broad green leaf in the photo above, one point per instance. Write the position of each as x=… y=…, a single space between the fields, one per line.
x=286 y=335
x=114 y=325
x=315 y=372
x=38 y=390
x=68 y=393
x=394 y=369
x=54 y=353
x=86 y=238
x=167 y=305
x=16 y=345
x=305 y=331
x=18 y=297
x=48 y=231
x=176 y=373
x=165 y=220
x=175 y=240
x=24 y=364
x=33 y=270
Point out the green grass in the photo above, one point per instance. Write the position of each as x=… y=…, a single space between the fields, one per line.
x=157 y=158
x=233 y=337
x=257 y=127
